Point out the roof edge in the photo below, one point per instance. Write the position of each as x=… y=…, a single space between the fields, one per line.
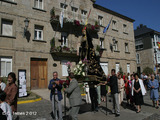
x=112 y=12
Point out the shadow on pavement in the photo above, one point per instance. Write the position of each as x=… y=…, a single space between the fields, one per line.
x=85 y=108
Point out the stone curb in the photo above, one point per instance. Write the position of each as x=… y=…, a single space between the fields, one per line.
x=29 y=101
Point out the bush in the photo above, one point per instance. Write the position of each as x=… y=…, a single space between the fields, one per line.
x=121 y=71
x=148 y=70
x=4 y=79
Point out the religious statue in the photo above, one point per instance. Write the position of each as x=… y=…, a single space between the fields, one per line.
x=87 y=51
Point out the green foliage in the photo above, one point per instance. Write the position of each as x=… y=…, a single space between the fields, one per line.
x=121 y=71
x=52 y=42
x=148 y=70
x=96 y=22
x=4 y=79
x=52 y=12
x=98 y=48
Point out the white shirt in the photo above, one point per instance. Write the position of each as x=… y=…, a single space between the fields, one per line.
x=3 y=85
x=6 y=110
x=143 y=90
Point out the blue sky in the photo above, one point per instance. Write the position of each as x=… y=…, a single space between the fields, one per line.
x=145 y=12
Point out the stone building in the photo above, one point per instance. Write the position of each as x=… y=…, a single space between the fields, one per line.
x=147 y=50
x=30 y=47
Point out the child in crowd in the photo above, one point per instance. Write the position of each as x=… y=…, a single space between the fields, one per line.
x=5 y=107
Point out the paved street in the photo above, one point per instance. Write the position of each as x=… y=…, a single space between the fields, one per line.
x=41 y=111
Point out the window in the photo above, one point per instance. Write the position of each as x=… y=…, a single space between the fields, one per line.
x=128 y=68
x=38 y=32
x=38 y=4
x=63 y=6
x=74 y=10
x=126 y=47
x=114 y=25
x=101 y=42
x=117 y=68
x=138 y=58
x=64 y=68
x=84 y=13
x=5 y=66
x=124 y=28
x=7 y=27
x=100 y=20
x=64 y=9
x=116 y=46
x=64 y=39
x=139 y=44
x=104 y=67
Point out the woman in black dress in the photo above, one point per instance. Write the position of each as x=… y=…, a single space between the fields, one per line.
x=138 y=97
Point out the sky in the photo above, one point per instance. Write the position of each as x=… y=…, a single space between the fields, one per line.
x=146 y=12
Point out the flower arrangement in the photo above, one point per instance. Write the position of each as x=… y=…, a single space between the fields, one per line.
x=63 y=49
x=79 y=69
x=85 y=61
x=66 y=49
x=68 y=64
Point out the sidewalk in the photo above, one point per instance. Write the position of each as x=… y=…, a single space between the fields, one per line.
x=147 y=112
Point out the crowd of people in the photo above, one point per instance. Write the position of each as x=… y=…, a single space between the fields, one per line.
x=130 y=87
x=126 y=86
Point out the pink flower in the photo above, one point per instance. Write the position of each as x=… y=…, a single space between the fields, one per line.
x=69 y=64
x=85 y=60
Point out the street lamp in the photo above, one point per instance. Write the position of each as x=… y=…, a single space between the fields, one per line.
x=26 y=21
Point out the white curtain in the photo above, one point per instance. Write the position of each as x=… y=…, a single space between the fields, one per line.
x=6 y=28
x=104 y=67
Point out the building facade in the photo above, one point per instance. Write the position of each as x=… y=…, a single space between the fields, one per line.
x=147 y=50
x=45 y=45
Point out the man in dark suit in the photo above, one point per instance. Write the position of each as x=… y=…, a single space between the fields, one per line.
x=113 y=83
x=56 y=95
x=74 y=95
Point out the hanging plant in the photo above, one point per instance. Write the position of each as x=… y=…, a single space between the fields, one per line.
x=52 y=42
x=52 y=12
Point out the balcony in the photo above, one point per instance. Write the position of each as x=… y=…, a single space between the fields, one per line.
x=64 y=52
x=71 y=23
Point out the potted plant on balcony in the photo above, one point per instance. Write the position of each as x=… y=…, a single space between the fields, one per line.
x=52 y=12
x=66 y=49
x=99 y=51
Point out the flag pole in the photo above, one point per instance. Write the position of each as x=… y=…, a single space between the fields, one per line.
x=107 y=27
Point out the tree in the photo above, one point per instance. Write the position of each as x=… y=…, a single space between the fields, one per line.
x=148 y=70
x=121 y=71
